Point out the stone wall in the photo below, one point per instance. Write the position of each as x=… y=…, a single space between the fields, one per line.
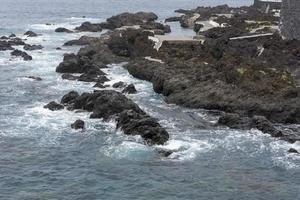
x=290 y=19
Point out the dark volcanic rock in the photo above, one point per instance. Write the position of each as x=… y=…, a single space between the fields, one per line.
x=173 y=19
x=4 y=46
x=78 y=124
x=16 y=41
x=109 y=103
x=133 y=123
x=89 y=27
x=69 y=77
x=84 y=40
x=31 y=34
x=4 y=38
x=259 y=122
x=130 y=89
x=36 y=78
x=119 y=84
x=129 y=19
x=12 y=36
x=29 y=47
x=54 y=106
x=63 y=30
x=292 y=150
x=70 y=97
x=99 y=85
x=23 y=54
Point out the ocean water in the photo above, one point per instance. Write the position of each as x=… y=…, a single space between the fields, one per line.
x=42 y=158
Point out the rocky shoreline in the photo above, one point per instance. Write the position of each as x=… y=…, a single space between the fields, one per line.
x=251 y=83
x=232 y=76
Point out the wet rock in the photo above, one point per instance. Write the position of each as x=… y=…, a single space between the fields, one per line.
x=78 y=124
x=197 y=27
x=69 y=77
x=5 y=46
x=84 y=40
x=93 y=78
x=292 y=150
x=130 y=89
x=89 y=27
x=70 y=97
x=129 y=19
x=164 y=153
x=16 y=41
x=12 y=36
x=156 y=26
x=54 y=106
x=29 y=47
x=173 y=19
x=22 y=54
x=58 y=48
x=134 y=123
x=119 y=84
x=99 y=85
x=109 y=103
x=31 y=34
x=63 y=30
x=36 y=78
x=4 y=38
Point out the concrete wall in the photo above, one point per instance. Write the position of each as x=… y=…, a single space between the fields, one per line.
x=264 y=4
x=290 y=19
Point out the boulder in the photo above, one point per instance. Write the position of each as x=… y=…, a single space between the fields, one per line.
x=12 y=36
x=130 y=89
x=109 y=103
x=84 y=40
x=134 y=123
x=69 y=98
x=292 y=150
x=63 y=30
x=119 y=84
x=89 y=27
x=5 y=46
x=54 y=106
x=29 y=47
x=99 y=85
x=23 y=54
x=173 y=19
x=31 y=34
x=78 y=124
x=129 y=19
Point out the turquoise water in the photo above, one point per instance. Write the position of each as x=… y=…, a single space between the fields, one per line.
x=42 y=158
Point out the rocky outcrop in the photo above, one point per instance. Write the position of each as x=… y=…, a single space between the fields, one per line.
x=31 y=34
x=22 y=54
x=129 y=19
x=84 y=40
x=29 y=47
x=78 y=124
x=134 y=123
x=89 y=27
x=130 y=89
x=109 y=104
x=63 y=30
x=53 y=106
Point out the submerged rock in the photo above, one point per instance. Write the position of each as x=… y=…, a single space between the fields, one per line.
x=5 y=46
x=22 y=54
x=36 y=78
x=78 y=124
x=53 y=106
